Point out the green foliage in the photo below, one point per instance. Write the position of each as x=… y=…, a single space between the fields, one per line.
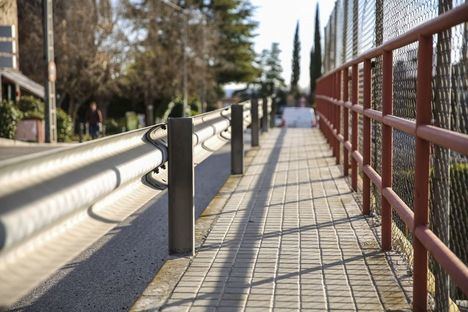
x=114 y=126
x=234 y=55
x=315 y=69
x=271 y=79
x=296 y=62
x=64 y=126
x=131 y=120
x=32 y=108
x=10 y=115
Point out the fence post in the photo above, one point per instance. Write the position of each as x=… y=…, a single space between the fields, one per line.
x=181 y=191
x=421 y=175
x=265 y=122
x=354 y=128
x=338 y=115
x=237 y=139
x=255 y=125
x=345 y=121
x=387 y=148
x=366 y=138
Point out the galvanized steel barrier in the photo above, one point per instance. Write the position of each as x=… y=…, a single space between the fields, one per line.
x=334 y=106
x=55 y=204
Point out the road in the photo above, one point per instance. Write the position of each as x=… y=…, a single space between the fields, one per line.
x=113 y=272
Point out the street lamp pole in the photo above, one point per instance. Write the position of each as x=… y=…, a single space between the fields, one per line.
x=49 y=90
x=184 y=60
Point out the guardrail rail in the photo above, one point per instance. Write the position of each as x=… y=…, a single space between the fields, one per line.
x=55 y=204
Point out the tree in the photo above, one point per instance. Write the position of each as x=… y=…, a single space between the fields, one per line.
x=86 y=49
x=315 y=69
x=296 y=59
x=234 y=57
x=271 y=78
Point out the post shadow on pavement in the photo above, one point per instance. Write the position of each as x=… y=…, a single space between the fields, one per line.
x=265 y=178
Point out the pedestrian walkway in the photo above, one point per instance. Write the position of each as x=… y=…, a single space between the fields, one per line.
x=290 y=237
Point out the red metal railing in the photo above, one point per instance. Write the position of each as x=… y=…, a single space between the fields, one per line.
x=331 y=108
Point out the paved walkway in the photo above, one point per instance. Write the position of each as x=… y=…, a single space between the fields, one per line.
x=290 y=237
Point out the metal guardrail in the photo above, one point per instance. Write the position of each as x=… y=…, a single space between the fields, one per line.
x=333 y=106
x=55 y=205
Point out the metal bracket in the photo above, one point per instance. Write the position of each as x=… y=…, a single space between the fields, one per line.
x=158 y=177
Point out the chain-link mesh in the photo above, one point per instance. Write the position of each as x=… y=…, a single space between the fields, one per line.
x=357 y=26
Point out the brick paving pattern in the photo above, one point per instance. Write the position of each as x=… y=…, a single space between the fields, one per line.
x=290 y=237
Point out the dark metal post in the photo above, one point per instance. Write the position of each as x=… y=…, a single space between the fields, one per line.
x=181 y=191
x=255 y=126
x=237 y=139
x=421 y=175
x=265 y=121
x=50 y=108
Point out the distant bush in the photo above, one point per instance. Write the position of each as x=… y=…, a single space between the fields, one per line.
x=10 y=115
x=31 y=107
x=114 y=126
x=64 y=126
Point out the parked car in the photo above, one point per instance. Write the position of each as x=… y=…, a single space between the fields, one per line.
x=298 y=117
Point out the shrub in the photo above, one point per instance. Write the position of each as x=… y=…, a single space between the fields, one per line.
x=10 y=115
x=114 y=126
x=64 y=126
x=31 y=107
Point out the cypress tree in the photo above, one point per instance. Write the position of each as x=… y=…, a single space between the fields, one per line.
x=296 y=59
x=315 y=69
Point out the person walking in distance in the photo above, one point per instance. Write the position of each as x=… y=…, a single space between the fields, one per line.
x=94 y=120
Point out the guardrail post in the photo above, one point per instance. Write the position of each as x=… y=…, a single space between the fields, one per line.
x=265 y=122
x=181 y=190
x=421 y=175
x=387 y=148
x=255 y=126
x=237 y=139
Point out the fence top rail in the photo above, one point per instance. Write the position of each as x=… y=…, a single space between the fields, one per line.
x=440 y=23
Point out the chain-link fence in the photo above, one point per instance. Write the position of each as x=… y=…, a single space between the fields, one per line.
x=354 y=27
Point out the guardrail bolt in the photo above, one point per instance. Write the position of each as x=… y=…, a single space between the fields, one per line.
x=255 y=126
x=237 y=139
x=181 y=186
x=265 y=122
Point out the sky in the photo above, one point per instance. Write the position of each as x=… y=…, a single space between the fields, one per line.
x=277 y=21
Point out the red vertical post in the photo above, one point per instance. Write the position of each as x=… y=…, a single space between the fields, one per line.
x=387 y=148
x=366 y=138
x=345 y=121
x=421 y=180
x=330 y=116
x=338 y=114
x=354 y=127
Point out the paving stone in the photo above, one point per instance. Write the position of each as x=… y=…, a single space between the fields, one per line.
x=290 y=237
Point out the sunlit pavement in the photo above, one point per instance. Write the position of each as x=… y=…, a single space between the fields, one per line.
x=291 y=236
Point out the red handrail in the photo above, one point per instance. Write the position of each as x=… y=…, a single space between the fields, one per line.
x=332 y=108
